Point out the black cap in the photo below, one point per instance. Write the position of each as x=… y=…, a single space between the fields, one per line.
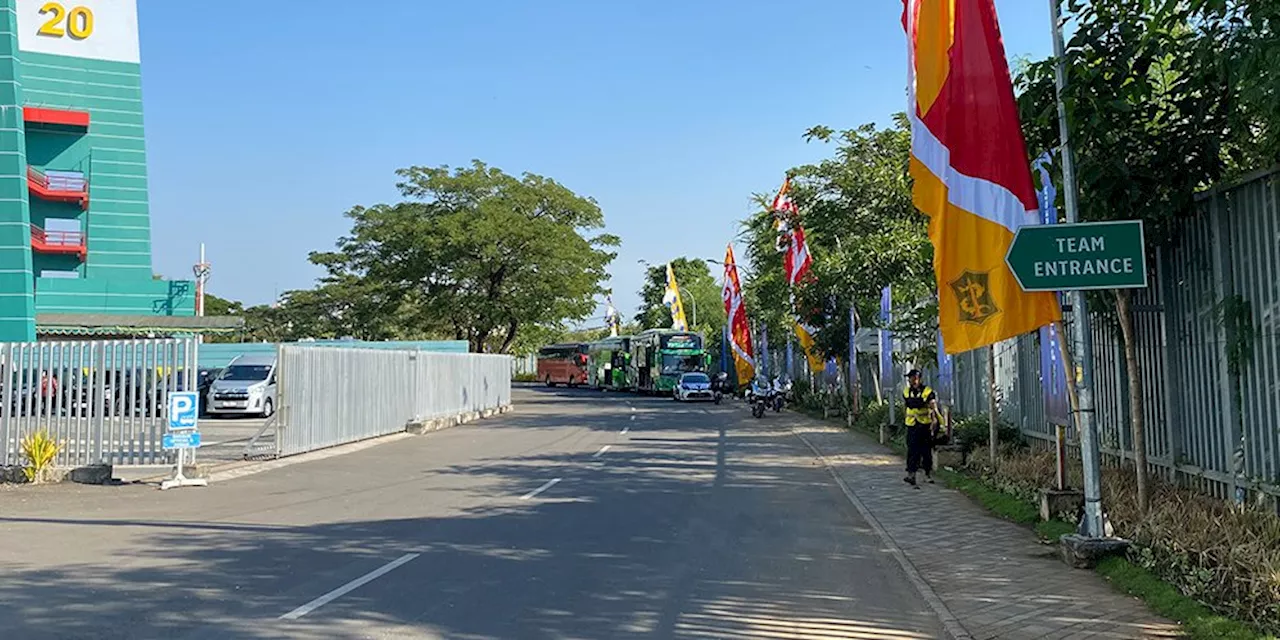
x=912 y=373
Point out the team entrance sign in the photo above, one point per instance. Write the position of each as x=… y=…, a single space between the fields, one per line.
x=1087 y=255
x=95 y=29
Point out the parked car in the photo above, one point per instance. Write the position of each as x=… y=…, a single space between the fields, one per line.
x=694 y=385
x=247 y=386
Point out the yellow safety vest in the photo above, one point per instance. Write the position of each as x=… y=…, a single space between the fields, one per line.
x=917 y=403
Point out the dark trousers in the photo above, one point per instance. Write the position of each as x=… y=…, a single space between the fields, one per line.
x=919 y=448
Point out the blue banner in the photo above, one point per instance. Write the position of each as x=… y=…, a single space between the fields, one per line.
x=886 y=341
x=1053 y=377
x=855 y=390
x=946 y=368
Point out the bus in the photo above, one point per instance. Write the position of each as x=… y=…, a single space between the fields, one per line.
x=608 y=363
x=563 y=363
x=659 y=356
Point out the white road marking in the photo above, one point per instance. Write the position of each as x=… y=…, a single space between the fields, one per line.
x=633 y=417
x=633 y=408
x=625 y=430
x=348 y=587
x=548 y=485
x=602 y=450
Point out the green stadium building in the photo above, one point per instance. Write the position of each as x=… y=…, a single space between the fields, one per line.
x=75 y=229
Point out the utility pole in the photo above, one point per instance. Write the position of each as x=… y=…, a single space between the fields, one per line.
x=201 y=270
x=1082 y=346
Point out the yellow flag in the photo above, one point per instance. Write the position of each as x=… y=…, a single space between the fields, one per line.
x=972 y=177
x=671 y=298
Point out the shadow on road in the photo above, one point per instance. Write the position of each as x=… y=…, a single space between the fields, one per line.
x=696 y=528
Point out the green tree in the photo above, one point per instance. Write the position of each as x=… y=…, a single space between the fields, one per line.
x=215 y=306
x=698 y=288
x=863 y=233
x=1153 y=96
x=471 y=252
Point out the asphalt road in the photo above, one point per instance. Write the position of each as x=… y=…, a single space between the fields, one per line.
x=580 y=515
x=223 y=439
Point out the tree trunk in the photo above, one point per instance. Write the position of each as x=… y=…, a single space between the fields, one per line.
x=993 y=420
x=510 y=338
x=1137 y=410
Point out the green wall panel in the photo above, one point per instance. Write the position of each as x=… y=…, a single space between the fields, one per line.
x=136 y=296
x=17 y=302
x=116 y=276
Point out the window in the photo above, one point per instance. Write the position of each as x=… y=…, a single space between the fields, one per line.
x=673 y=364
x=246 y=372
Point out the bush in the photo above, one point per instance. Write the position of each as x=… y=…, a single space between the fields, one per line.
x=40 y=449
x=1225 y=556
x=973 y=432
x=873 y=415
x=525 y=377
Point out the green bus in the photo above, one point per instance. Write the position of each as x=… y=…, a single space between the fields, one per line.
x=608 y=363
x=660 y=356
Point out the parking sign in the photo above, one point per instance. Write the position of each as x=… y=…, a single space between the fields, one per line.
x=184 y=408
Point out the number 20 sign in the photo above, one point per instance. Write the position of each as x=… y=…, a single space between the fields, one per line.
x=92 y=29
x=76 y=22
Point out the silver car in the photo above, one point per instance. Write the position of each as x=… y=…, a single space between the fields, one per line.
x=247 y=386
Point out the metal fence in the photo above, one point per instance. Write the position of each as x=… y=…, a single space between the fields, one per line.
x=330 y=395
x=526 y=365
x=1207 y=335
x=104 y=401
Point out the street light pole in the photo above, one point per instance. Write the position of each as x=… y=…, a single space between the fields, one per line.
x=1080 y=333
x=695 y=307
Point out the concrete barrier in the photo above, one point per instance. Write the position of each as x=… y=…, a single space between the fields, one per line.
x=89 y=474
x=421 y=427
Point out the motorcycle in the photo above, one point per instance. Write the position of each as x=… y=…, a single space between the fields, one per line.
x=781 y=395
x=761 y=399
x=719 y=385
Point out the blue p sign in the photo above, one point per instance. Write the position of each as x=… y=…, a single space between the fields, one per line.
x=184 y=408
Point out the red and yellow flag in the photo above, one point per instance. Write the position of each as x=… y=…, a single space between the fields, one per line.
x=972 y=176
x=739 y=330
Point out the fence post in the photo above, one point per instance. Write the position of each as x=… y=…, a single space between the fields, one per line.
x=1169 y=338
x=1222 y=284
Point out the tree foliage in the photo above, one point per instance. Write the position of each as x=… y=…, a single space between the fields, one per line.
x=698 y=288
x=470 y=253
x=1164 y=98
x=863 y=231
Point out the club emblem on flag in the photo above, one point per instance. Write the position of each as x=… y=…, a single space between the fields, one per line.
x=973 y=297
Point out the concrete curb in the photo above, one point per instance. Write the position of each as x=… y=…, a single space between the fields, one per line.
x=423 y=427
x=91 y=474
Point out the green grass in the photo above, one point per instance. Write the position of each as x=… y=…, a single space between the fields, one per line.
x=998 y=502
x=1054 y=529
x=1198 y=621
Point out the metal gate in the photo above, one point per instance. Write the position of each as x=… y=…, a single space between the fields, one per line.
x=104 y=401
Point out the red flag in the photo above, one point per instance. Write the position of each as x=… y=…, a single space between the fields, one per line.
x=739 y=330
x=970 y=171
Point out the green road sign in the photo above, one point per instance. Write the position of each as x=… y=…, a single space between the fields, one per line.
x=1087 y=255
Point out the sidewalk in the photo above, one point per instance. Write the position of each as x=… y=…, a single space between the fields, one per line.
x=993 y=576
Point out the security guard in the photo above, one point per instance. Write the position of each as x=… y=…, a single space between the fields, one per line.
x=921 y=407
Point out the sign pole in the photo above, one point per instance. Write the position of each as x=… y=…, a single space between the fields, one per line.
x=1082 y=378
x=182 y=411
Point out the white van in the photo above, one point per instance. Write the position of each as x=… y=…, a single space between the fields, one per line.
x=247 y=386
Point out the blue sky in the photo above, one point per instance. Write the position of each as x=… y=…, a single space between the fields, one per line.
x=266 y=121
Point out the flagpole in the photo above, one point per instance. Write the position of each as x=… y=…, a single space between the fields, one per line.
x=1082 y=379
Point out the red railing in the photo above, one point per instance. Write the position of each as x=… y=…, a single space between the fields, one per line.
x=60 y=186
x=58 y=241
